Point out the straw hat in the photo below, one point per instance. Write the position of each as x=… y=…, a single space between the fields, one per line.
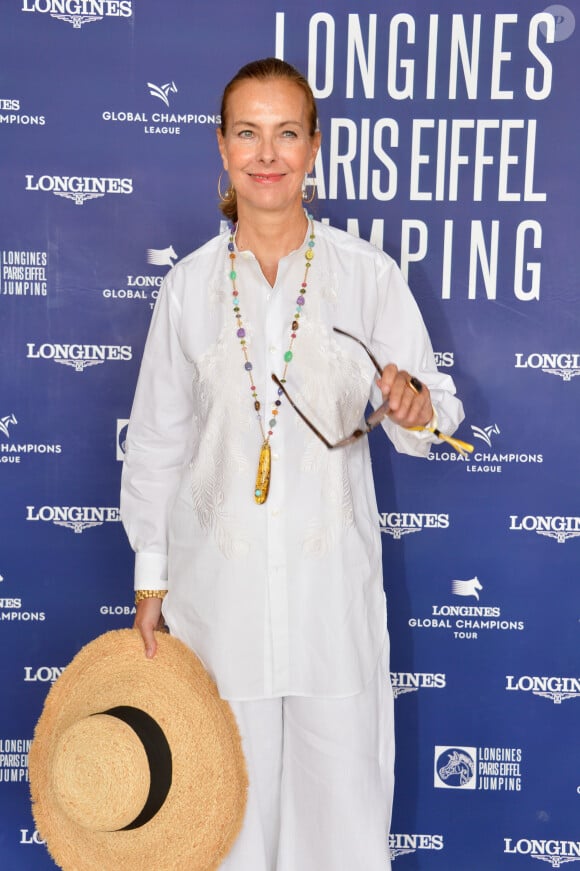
x=137 y=763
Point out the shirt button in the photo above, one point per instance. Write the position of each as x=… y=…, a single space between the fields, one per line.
x=273 y=349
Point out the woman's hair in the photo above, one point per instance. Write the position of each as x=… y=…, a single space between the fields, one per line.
x=262 y=70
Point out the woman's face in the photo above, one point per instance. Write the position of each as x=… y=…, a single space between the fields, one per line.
x=267 y=148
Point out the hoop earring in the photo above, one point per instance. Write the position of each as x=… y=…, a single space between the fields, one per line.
x=305 y=198
x=225 y=198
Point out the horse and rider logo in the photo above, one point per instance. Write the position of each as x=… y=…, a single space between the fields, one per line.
x=471 y=587
x=161 y=256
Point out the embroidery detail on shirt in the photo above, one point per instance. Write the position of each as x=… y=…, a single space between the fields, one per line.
x=328 y=286
x=216 y=293
x=219 y=456
x=335 y=400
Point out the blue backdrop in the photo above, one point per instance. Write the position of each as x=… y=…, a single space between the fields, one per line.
x=450 y=138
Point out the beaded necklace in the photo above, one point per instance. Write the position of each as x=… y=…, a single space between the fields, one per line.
x=264 y=461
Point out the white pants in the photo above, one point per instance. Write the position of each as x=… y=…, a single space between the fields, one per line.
x=321 y=781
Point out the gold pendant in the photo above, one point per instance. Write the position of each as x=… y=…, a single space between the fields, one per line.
x=263 y=475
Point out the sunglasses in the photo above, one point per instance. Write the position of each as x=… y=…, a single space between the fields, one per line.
x=374 y=419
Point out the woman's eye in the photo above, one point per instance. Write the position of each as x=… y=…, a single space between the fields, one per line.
x=245 y=134
x=289 y=134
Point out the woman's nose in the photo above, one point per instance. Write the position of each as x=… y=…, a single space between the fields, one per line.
x=267 y=149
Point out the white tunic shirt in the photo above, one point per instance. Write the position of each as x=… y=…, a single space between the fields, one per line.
x=286 y=597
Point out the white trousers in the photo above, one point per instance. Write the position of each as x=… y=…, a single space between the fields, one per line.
x=321 y=775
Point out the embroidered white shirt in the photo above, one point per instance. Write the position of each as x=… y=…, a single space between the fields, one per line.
x=285 y=597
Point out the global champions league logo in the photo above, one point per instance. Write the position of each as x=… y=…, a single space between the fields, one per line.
x=488 y=461
x=170 y=123
x=162 y=91
x=485 y=433
x=12 y=451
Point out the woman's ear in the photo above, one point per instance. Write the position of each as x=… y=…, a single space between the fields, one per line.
x=315 y=149
x=222 y=148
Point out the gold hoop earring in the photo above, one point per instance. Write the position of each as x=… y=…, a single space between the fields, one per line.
x=225 y=198
x=305 y=198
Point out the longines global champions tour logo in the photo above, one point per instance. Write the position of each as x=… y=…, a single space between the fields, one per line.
x=466 y=621
x=144 y=286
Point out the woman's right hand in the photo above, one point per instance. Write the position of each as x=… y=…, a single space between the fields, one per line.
x=148 y=619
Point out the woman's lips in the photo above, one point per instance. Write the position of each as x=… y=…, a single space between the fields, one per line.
x=266 y=178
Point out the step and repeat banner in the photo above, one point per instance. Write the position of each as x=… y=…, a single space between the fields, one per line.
x=450 y=139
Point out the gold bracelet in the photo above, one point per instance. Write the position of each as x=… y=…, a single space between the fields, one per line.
x=149 y=594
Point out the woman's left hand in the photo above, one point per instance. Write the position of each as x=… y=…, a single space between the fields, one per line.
x=409 y=399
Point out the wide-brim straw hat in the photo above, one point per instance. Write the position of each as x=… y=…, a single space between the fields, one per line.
x=137 y=763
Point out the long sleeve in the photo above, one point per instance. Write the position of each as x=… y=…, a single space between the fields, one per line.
x=159 y=434
x=400 y=337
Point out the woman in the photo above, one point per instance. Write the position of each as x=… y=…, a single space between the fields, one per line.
x=266 y=542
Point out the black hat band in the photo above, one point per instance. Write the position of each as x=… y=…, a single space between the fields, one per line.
x=159 y=758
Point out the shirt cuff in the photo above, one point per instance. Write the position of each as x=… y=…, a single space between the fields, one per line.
x=151 y=571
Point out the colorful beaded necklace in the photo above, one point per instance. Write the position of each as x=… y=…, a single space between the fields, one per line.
x=264 y=462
